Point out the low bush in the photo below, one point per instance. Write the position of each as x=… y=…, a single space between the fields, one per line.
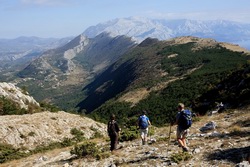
x=8 y=152
x=90 y=150
x=180 y=156
x=78 y=134
x=129 y=134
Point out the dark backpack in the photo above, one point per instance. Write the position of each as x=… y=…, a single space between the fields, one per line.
x=112 y=127
x=185 y=119
x=143 y=122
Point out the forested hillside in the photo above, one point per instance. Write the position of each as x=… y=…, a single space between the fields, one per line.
x=198 y=72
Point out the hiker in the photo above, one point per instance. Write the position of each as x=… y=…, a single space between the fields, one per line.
x=143 y=123
x=113 y=132
x=183 y=117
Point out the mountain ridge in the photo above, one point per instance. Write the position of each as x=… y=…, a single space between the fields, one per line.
x=74 y=65
x=157 y=77
x=162 y=29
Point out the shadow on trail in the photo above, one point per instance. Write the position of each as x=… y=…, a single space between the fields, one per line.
x=142 y=159
x=235 y=155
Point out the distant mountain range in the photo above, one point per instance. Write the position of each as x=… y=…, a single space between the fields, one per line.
x=19 y=51
x=22 y=49
x=62 y=73
x=163 y=29
x=31 y=43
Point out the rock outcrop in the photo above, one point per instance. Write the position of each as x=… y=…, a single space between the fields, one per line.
x=32 y=130
x=19 y=96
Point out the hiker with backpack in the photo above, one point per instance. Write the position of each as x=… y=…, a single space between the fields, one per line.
x=143 y=123
x=183 y=121
x=113 y=132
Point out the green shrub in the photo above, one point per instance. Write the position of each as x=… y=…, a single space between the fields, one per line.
x=78 y=134
x=96 y=134
x=8 y=152
x=129 y=134
x=9 y=107
x=181 y=156
x=67 y=142
x=49 y=107
x=89 y=149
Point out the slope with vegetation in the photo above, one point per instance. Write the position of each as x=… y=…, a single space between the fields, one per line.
x=197 y=72
x=58 y=75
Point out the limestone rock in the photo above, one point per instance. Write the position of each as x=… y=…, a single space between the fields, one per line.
x=20 y=97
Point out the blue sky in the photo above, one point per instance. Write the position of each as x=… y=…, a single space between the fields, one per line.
x=62 y=18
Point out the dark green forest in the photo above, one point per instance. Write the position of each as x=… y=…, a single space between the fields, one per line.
x=217 y=71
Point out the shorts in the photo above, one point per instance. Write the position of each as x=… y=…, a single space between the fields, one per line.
x=144 y=132
x=181 y=134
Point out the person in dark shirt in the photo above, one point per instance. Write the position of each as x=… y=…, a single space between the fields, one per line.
x=113 y=132
x=181 y=133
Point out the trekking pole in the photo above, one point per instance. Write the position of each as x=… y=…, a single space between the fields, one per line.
x=169 y=137
x=149 y=133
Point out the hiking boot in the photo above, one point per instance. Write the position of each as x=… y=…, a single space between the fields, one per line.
x=184 y=149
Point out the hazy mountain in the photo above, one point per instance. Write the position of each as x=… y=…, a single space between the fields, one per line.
x=162 y=29
x=17 y=52
x=66 y=69
x=91 y=55
x=22 y=44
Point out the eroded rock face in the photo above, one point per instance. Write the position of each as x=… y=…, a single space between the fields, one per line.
x=12 y=92
x=31 y=130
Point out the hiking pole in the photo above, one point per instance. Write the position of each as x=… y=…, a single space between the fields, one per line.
x=149 y=133
x=169 y=137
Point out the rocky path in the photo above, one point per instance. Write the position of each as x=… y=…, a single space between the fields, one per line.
x=226 y=144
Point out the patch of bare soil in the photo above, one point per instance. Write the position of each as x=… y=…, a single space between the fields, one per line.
x=235 y=48
x=139 y=94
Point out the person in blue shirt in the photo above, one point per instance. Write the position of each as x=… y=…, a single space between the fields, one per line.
x=143 y=123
